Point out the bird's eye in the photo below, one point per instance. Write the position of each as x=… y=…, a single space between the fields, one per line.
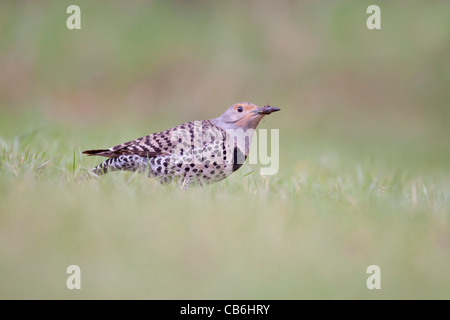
x=240 y=109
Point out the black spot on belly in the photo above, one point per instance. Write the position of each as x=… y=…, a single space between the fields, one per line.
x=238 y=158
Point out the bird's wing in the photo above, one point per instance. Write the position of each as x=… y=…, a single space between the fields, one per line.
x=153 y=145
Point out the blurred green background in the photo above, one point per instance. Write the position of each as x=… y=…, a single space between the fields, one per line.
x=364 y=151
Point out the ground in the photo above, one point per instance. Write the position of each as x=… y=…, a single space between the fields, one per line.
x=309 y=232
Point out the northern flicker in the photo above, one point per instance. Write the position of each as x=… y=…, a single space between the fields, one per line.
x=199 y=152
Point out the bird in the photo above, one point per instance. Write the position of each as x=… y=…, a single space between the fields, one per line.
x=196 y=152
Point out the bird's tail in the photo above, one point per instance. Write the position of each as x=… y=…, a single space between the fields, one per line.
x=100 y=152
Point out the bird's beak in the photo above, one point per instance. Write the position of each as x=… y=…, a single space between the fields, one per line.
x=266 y=110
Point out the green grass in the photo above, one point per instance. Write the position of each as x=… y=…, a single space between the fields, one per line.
x=309 y=232
x=364 y=155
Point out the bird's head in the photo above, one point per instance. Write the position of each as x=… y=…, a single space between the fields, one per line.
x=243 y=115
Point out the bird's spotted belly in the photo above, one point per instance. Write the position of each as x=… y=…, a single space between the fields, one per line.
x=198 y=166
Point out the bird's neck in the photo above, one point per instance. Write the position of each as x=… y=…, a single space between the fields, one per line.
x=236 y=136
